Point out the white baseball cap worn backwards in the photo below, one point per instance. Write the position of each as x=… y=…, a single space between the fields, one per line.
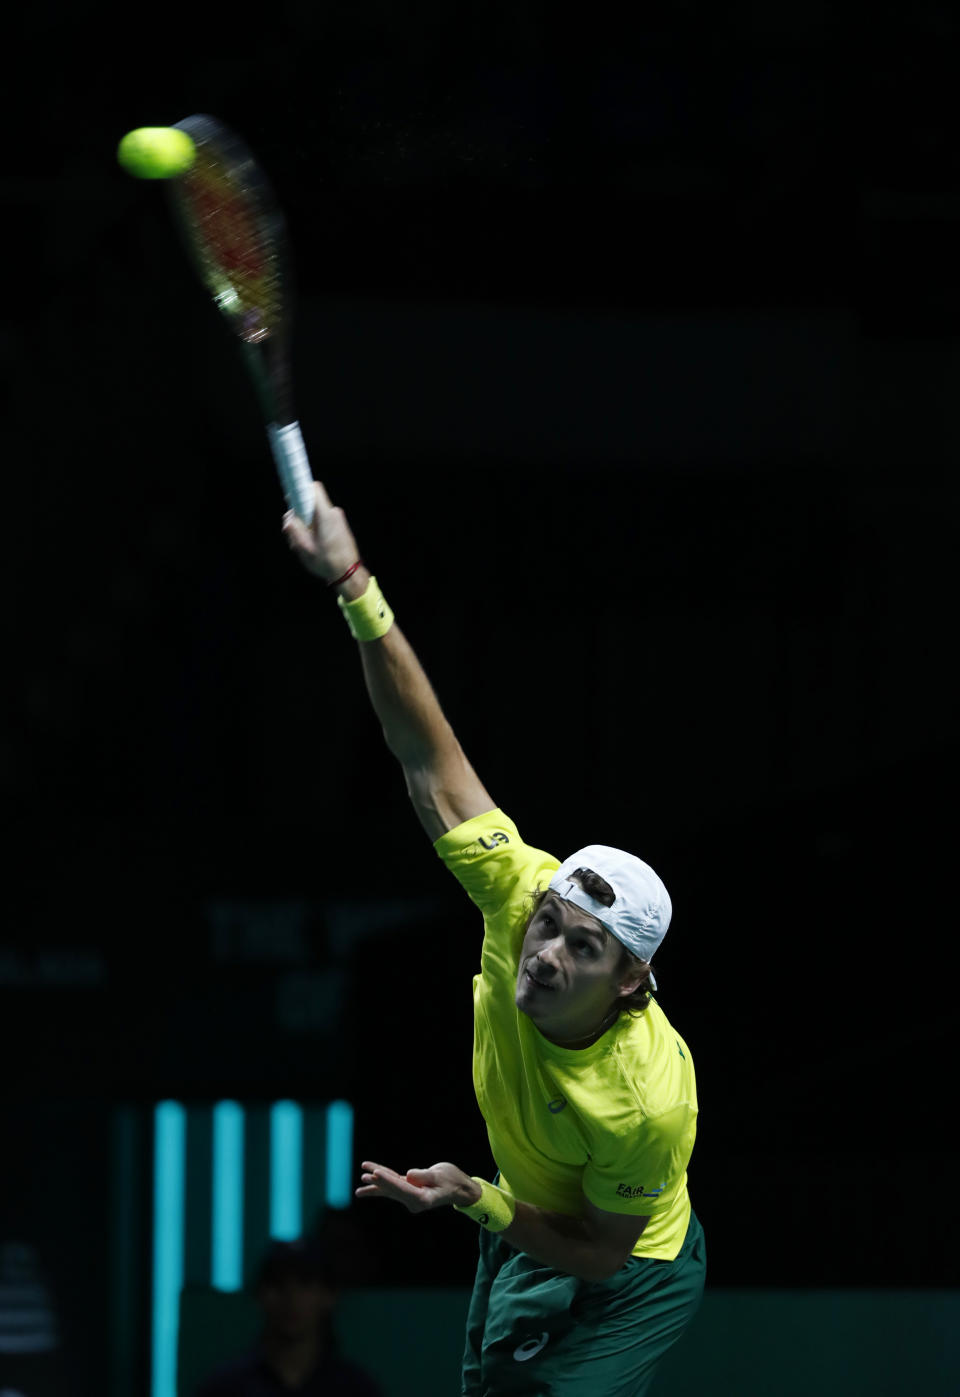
x=641 y=909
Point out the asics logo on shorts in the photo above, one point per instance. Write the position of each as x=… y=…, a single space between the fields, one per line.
x=530 y=1347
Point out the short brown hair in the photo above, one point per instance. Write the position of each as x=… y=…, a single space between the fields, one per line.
x=599 y=889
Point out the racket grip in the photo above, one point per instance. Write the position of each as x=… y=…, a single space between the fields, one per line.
x=293 y=468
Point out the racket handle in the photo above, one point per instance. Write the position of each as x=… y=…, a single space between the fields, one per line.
x=293 y=468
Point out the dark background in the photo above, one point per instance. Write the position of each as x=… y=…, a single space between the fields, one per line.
x=631 y=353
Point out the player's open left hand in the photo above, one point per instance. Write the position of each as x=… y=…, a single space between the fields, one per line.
x=419 y=1190
x=326 y=547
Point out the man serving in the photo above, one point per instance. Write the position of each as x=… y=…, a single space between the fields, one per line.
x=592 y=1261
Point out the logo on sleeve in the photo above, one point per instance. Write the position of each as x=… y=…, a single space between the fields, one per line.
x=638 y=1191
x=554 y=1107
x=497 y=838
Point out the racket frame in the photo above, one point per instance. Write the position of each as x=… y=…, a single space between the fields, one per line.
x=263 y=331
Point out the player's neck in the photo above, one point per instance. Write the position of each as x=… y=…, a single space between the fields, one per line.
x=584 y=1040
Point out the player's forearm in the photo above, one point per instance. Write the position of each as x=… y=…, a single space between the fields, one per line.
x=570 y=1244
x=562 y=1242
x=414 y=726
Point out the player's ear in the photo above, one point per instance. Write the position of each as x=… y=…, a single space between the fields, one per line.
x=632 y=977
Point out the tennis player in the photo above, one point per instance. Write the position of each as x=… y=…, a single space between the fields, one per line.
x=592 y=1261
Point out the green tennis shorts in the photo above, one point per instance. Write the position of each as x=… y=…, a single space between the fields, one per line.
x=542 y=1333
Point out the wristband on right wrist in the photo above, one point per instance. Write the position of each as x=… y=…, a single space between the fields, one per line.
x=368 y=616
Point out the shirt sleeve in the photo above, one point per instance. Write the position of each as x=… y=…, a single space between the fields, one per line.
x=643 y=1175
x=491 y=862
x=501 y=875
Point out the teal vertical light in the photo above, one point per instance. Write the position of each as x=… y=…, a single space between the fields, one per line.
x=286 y=1170
x=226 y=1212
x=339 y=1154
x=169 y=1173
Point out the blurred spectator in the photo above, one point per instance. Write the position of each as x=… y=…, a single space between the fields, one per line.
x=32 y=1360
x=29 y=1329
x=296 y=1288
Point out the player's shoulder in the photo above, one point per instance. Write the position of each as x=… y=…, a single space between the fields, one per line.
x=493 y=832
x=491 y=858
x=655 y=1063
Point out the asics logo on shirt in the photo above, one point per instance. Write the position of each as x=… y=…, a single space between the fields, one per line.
x=557 y=1104
x=494 y=840
x=530 y=1347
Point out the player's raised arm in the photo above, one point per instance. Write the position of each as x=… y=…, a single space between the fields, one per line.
x=443 y=786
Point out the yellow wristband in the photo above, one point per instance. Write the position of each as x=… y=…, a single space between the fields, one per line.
x=369 y=616
x=494 y=1209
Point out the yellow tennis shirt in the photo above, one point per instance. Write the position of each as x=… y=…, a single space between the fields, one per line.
x=615 y=1121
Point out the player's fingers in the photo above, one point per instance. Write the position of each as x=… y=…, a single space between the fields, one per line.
x=395 y=1186
x=376 y=1176
x=422 y=1178
x=322 y=498
x=297 y=532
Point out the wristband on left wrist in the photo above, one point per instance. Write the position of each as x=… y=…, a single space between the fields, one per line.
x=494 y=1209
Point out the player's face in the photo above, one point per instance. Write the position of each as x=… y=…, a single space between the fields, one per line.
x=569 y=976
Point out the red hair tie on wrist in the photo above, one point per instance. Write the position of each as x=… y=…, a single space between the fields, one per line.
x=349 y=573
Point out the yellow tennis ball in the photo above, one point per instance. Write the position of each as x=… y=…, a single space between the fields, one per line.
x=156 y=152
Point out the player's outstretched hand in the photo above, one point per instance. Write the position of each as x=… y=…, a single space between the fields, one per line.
x=419 y=1189
x=326 y=547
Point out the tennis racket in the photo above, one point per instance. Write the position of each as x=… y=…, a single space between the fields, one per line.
x=236 y=237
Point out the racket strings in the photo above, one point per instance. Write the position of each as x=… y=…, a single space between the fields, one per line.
x=233 y=245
